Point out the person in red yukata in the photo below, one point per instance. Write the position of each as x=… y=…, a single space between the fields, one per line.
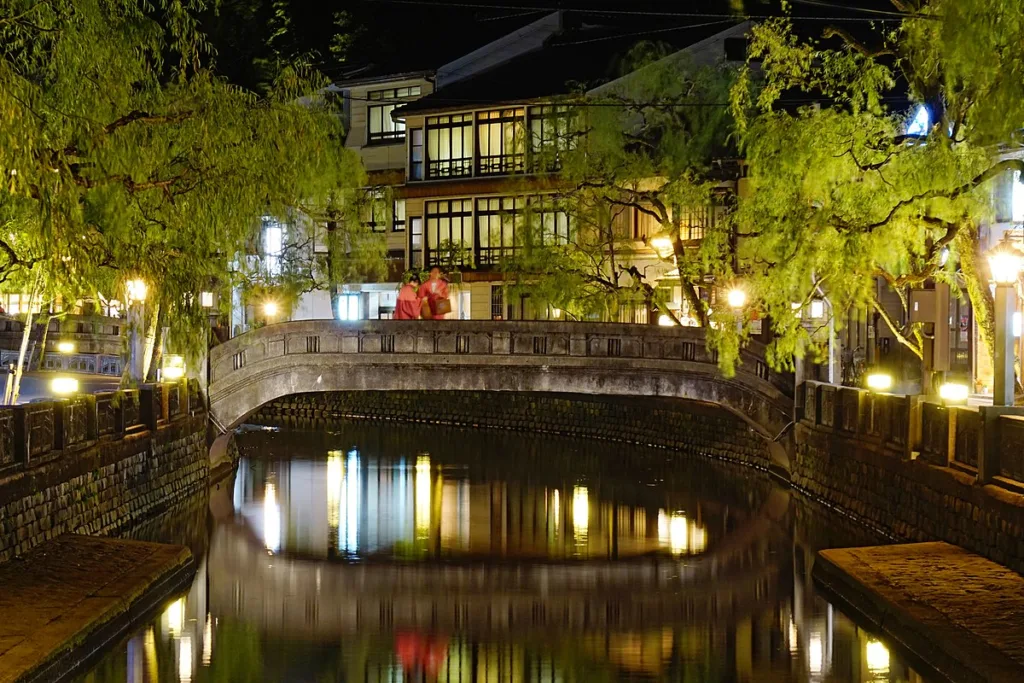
x=434 y=293
x=408 y=306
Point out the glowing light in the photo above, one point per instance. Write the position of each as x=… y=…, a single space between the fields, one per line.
x=208 y=640
x=271 y=519
x=66 y=347
x=556 y=312
x=680 y=535
x=737 y=298
x=798 y=310
x=580 y=511
x=349 y=540
x=1016 y=324
x=64 y=386
x=1017 y=198
x=175 y=614
x=173 y=368
x=815 y=654
x=1005 y=264
x=335 y=480
x=793 y=637
x=879 y=381
x=185 y=660
x=270 y=309
x=136 y=290
x=817 y=309
x=662 y=245
x=421 y=497
x=556 y=511
x=666 y=321
x=952 y=392
x=149 y=647
x=877 y=657
x=206 y=299
x=921 y=122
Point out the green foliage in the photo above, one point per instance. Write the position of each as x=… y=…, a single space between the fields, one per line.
x=839 y=196
x=648 y=143
x=123 y=156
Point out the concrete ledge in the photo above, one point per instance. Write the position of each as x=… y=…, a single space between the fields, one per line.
x=73 y=596
x=960 y=614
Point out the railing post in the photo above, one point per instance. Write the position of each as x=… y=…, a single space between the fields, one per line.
x=989 y=465
x=150 y=405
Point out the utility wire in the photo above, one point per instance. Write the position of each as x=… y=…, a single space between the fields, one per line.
x=895 y=16
x=649 y=32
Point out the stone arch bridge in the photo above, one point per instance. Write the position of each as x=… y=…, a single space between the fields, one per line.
x=602 y=359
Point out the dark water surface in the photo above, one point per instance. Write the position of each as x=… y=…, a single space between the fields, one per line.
x=421 y=554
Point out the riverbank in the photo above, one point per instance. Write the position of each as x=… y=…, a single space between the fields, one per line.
x=957 y=611
x=71 y=597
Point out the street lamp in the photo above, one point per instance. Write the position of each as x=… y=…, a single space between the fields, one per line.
x=206 y=300
x=270 y=309
x=1004 y=264
x=64 y=386
x=66 y=347
x=879 y=381
x=174 y=368
x=137 y=291
x=737 y=298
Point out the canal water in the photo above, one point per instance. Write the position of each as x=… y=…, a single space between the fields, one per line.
x=392 y=553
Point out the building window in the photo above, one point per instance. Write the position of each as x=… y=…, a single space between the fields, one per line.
x=450 y=146
x=500 y=140
x=348 y=307
x=550 y=137
x=381 y=128
x=497 y=302
x=449 y=231
x=416 y=154
x=496 y=222
x=273 y=245
x=16 y=304
x=398 y=216
x=415 y=242
x=1017 y=199
x=555 y=223
x=375 y=213
x=694 y=222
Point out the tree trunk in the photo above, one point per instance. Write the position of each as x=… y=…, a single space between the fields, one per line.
x=26 y=334
x=332 y=276
x=42 y=342
x=150 y=342
x=976 y=283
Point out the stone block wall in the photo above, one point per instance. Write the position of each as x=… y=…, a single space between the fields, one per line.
x=908 y=499
x=689 y=427
x=103 y=487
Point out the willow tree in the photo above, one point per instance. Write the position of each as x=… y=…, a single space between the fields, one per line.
x=644 y=145
x=848 y=189
x=123 y=155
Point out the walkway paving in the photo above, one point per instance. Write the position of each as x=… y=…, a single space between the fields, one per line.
x=72 y=596
x=960 y=613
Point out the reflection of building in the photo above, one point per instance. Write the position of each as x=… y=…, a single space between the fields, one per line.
x=353 y=506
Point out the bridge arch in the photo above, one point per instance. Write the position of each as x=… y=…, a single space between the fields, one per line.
x=599 y=359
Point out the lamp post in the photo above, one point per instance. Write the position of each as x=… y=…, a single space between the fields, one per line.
x=1005 y=264
x=737 y=300
x=136 y=298
x=206 y=301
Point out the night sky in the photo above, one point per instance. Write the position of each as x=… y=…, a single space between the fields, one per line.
x=405 y=35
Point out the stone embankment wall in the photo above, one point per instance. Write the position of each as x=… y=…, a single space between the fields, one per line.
x=688 y=427
x=866 y=456
x=94 y=480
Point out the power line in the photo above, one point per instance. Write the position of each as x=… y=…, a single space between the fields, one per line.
x=653 y=13
x=866 y=10
x=648 y=32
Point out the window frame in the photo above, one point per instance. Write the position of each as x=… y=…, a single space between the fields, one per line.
x=435 y=220
x=437 y=168
x=387 y=100
x=503 y=122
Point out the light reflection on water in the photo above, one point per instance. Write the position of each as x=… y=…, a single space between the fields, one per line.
x=513 y=564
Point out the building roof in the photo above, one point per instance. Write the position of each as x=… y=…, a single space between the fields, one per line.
x=571 y=60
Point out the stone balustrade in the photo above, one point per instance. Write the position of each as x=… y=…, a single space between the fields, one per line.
x=984 y=441
x=36 y=433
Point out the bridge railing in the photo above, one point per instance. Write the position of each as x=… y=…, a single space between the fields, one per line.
x=985 y=441
x=495 y=338
x=36 y=433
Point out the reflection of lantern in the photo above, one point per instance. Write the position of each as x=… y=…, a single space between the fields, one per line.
x=416 y=651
